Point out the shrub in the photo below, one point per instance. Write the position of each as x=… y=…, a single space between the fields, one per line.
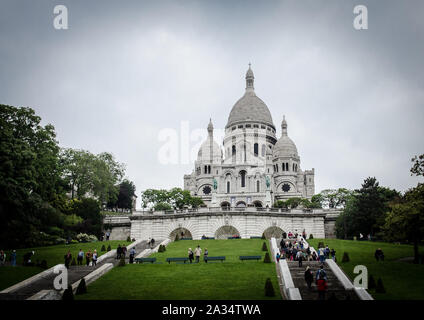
x=263 y=236
x=264 y=247
x=320 y=244
x=345 y=257
x=82 y=237
x=267 y=259
x=371 y=283
x=269 y=289
x=60 y=241
x=92 y=238
x=103 y=248
x=43 y=264
x=122 y=262
x=162 y=248
x=82 y=287
x=73 y=241
x=73 y=263
x=128 y=239
x=109 y=248
x=133 y=239
x=68 y=294
x=177 y=237
x=311 y=236
x=380 y=287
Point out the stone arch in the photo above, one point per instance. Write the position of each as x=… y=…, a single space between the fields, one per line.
x=181 y=232
x=226 y=231
x=273 y=232
x=241 y=204
x=225 y=205
x=257 y=204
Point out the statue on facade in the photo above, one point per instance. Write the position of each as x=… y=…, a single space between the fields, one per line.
x=215 y=184
x=268 y=182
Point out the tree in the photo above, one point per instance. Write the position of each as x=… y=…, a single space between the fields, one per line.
x=334 y=198
x=29 y=177
x=405 y=220
x=175 y=198
x=91 y=175
x=365 y=210
x=89 y=210
x=418 y=165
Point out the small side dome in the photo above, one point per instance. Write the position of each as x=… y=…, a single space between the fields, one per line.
x=285 y=146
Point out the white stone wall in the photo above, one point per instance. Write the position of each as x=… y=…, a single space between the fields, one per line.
x=247 y=224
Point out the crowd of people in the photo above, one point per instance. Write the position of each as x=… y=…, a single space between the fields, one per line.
x=295 y=248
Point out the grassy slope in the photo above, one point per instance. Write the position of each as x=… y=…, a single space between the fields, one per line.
x=231 y=279
x=52 y=254
x=402 y=280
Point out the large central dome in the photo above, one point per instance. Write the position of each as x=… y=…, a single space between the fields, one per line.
x=250 y=108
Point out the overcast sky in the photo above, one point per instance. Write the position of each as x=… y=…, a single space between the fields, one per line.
x=126 y=70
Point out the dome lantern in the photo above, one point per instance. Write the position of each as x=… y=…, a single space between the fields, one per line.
x=250 y=79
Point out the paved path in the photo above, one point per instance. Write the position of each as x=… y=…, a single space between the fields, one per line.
x=75 y=273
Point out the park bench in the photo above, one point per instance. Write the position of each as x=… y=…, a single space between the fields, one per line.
x=257 y=237
x=186 y=239
x=250 y=258
x=234 y=237
x=206 y=259
x=141 y=260
x=169 y=260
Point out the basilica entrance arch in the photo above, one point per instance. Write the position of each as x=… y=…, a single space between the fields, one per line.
x=181 y=232
x=273 y=232
x=257 y=204
x=226 y=231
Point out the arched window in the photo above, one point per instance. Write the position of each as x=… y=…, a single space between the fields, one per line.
x=263 y=150
x=256 y=149
x=209 y=169
x=287 y=166
x=206 y=170
x=293 y=166
x=284 y=167
x=243 y=178
x=228 y=186
x=234 y=150
x=258 y=189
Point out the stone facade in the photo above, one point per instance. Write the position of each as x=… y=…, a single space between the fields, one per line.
x=220 y=224
x=253 y=168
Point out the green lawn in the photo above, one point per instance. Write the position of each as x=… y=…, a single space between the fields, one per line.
x=231 y=279
x=402 y=280
x=52 y=254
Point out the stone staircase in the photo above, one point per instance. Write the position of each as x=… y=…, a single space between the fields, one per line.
x=75 y=273
x=334 y=285
x=335 y=288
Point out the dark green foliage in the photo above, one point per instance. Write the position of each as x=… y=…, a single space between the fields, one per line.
x=264 y=247
x=269 y=289
x=122 y=262
x=167 y=200
x=68 y=294
x=267 y=259
x=365 y=210
x=263 y=236
x=89 y=210
x=129 y=239
x=177 y=237
x=371 y=283
x=345 y=257
x=73 y=263
x=311 y=236
x=43 y=264
x=109 y=248
x=124 y=200
x=103 y=249
x=82 y=287
x=380 y=287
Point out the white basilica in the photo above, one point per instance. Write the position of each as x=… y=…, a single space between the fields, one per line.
x=255 y=168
